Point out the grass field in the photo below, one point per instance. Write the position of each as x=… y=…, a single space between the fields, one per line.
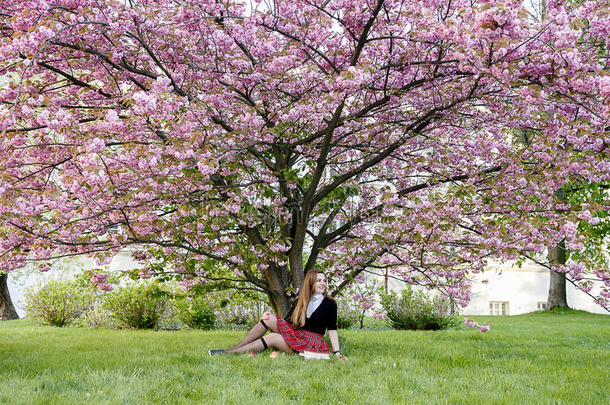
x=539 y=358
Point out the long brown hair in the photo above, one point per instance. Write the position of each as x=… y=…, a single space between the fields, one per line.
x=309 y=286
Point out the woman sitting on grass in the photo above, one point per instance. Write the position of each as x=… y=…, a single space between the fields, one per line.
x=305 y=324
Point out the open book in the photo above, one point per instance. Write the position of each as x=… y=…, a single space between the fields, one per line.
x=315 y=355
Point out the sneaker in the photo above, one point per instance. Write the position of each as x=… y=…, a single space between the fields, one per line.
x=212 y=352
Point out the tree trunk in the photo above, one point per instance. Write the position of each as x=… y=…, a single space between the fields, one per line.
x=542 y=10
x=278 y=281
x=7 y=310
x=385 y=282
x=280 y=304
x=557 y=286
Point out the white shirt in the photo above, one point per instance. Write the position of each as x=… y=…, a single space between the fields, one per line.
x=314 y=303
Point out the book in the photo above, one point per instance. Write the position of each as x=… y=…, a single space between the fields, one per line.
x=315 y=355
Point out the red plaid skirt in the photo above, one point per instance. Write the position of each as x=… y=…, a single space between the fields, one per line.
x=301 y=340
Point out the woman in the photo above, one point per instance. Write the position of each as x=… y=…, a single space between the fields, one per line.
x=313 y=314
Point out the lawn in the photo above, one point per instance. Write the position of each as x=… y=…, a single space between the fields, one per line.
x=541 y=358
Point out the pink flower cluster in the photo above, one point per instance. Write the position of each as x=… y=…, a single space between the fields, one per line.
x=100 y=281
x=145 y=273
x=470 y=324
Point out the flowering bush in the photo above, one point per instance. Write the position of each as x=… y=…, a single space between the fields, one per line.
x=358 y=299
x=58 y=303
x=137 y=305
x=415 y=310
x=347 y=315
x=195 y=312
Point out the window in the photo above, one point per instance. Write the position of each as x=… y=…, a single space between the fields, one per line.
x=498 y=307
x=542 y=306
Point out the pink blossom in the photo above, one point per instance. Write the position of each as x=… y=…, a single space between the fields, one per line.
x=604 y=86
x=594 y=220
x=99 y=278
x=95 y=145
x=44 y=268
x=570 y=229
x=104 y=287
x=145 y=274
x=483 y=328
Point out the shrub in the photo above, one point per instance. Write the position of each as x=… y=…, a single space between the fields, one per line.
x=415 y=310
x=344 y=321
x=98 y=317
x=58 y=302
x=347 y=315
x=137 y=305
x=235 y=310
x=195 y=313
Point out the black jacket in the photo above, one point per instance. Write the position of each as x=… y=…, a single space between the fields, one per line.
x=323 y=318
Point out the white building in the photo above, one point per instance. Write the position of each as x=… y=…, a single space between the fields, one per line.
x=509 y=290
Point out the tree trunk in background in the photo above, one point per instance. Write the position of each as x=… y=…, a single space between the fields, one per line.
x=557 y=286
x=385 y=281
x=557 y=257
x=7 y=310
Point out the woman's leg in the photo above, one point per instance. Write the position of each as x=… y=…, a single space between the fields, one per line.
x=272 y=340
x=259 y=330
x=277 y=340
x=256 y=332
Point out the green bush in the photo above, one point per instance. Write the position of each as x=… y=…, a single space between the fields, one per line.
x=347 y=315
x=237 y=311
x=345 y=322
x=416 y=311
x=58 y=302
x=195 y=313
x=136 y=306
x=98 y=317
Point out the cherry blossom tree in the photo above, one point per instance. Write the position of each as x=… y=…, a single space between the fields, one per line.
x=249 y=142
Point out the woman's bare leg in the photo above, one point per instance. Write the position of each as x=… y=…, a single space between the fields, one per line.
x=272 y=340
x=259 y=330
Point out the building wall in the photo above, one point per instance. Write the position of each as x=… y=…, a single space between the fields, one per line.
x=523 y=288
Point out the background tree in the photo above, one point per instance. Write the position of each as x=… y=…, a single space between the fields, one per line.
x=7 y=309
x=556 y=255
x=578 y=194
x=273 y=138
x=593 y=230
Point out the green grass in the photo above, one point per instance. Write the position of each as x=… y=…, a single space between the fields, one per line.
x=540 y=358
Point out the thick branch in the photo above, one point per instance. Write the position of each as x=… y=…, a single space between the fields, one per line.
x=365 y=32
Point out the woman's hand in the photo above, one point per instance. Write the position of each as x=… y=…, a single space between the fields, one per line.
x=341 y=357
x=266 y=316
